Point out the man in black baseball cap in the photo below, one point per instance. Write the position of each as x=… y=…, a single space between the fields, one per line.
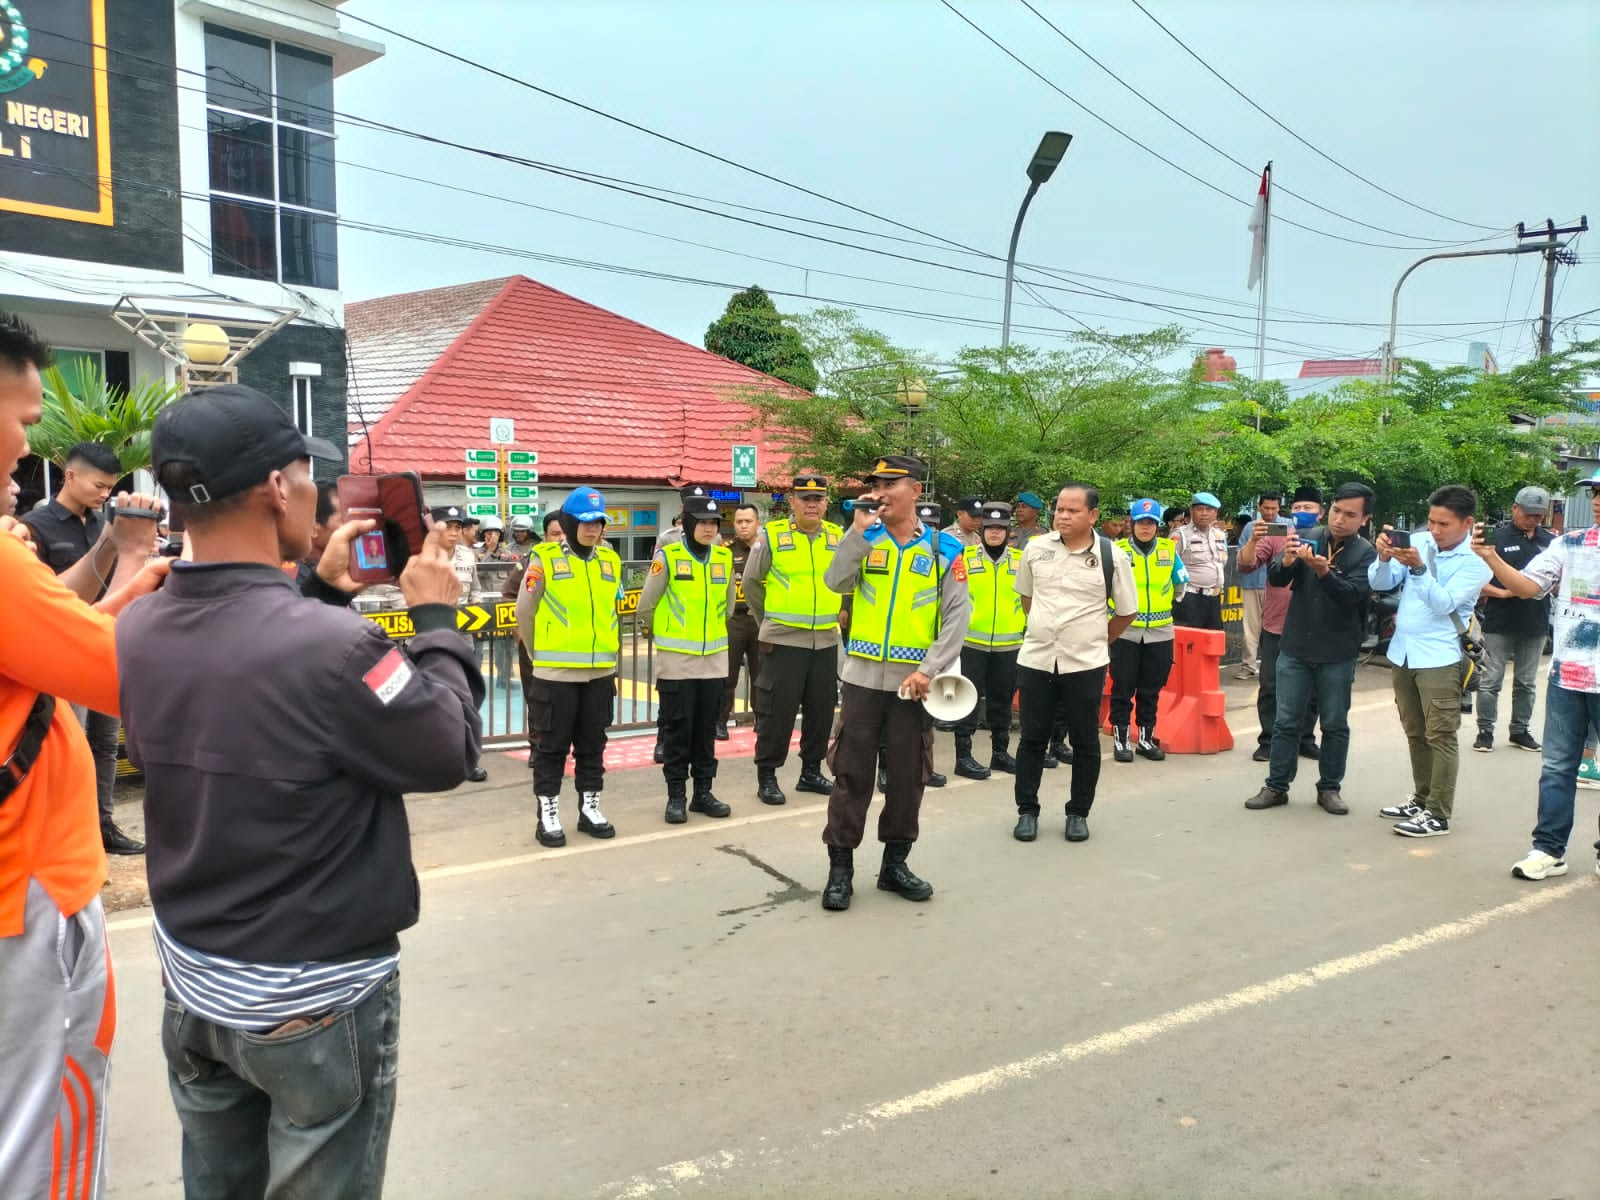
x=277 y=738
x=968 y=525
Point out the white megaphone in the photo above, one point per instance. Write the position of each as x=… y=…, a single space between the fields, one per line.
x=950 y=697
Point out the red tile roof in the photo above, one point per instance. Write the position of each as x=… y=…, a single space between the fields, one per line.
x=1323 y=368
x=601 y=398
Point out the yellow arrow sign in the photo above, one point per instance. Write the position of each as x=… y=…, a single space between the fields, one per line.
x=472 y=617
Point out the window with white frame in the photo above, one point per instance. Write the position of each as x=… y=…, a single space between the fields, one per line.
x=302 y=404
x=269 y=122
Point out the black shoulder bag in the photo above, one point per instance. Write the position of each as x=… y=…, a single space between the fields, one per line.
x=15 y=769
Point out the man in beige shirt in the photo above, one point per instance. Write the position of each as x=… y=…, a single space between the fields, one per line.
x=1078 y=590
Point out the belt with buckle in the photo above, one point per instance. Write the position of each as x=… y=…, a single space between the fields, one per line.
x=1200 y=591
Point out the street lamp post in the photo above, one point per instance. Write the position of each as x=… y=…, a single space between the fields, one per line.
x=1394 y=304
x=1052 y=149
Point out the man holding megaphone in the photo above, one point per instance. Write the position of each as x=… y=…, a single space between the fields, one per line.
x=909 y=613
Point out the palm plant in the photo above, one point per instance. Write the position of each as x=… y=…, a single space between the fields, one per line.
x=79 y=406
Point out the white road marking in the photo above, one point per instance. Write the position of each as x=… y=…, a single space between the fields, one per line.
x=693 y=829
x=666 y=1178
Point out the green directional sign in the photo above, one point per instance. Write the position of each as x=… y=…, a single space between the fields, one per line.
x=483 y=456
x=522 y=475
x=522 y=458
x=523 y=493
x=482 y=491
x=744 y=466
x=524 y=510
x=483 y=510
x=483 y=475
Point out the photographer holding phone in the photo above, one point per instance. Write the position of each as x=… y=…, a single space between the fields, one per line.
x=1441 y=578
x=278 y=738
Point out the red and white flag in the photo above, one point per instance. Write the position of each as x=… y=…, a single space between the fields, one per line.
x=1258 y=229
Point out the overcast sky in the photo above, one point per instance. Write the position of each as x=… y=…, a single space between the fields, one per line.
x=1482 y=111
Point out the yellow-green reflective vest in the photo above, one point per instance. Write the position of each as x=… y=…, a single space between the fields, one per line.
x=1152 y=574
x=576 y=625
x=895 y=614
x=796 y=595
x=997 y=616
x=692 y=615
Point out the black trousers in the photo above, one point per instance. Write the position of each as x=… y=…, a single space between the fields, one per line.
x=1139 y=671
x=1079 y=693
x=995 y=674
x=794 y=680
x=569 y=716
x=1267 y=696
x=525 y=672
x=866 y=718
x=742 y=646
x=687 y=727
x=1198 y=612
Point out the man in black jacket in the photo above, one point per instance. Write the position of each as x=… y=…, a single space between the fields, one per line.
x=277 y=736
x=1327 y=574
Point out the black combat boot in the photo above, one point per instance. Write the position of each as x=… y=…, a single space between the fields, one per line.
x=813 y=780
x=895 y=876
x=841 y=872
x=966 y=766
x=676 y=800
x=1000 y=758
x=705 y=802
x=1120 y=750
x=1149 y=746
x=767 y=789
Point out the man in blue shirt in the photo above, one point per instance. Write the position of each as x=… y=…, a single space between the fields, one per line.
x=1442 y=577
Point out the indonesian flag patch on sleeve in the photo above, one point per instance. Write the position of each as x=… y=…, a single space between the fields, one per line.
x=389 y=677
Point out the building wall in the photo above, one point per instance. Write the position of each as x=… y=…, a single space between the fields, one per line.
x=268 y=368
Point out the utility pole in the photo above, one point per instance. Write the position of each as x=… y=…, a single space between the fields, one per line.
x=1554 y=253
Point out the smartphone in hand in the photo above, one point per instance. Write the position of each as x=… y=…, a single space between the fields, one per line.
x=1399 y=539
x=395 y=502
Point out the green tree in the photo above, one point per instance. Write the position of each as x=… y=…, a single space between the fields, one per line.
x=752 y=331
x=79 y=406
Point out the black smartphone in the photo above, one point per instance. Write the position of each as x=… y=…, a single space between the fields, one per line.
x=1399 y=539
x=1275 y=529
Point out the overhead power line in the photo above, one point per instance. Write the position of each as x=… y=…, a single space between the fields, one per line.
x=1154 y=153
x=1210 y=145
x=1351 y=171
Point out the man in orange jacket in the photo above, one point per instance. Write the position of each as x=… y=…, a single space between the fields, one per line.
x=57 y=1003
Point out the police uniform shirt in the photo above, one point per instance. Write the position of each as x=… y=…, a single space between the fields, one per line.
x=465 y=564
x=974 y=538
x=529 y=597
x=741 y=556
x=1067 y=617
x=1205 y=557
x=1162 y=558
x=1518 y=618
x=754 y=576
x=670 y=664
x=60 y=536
x=955 y=610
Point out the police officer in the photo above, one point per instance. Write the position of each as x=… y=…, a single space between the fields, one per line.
x=685 y=604
x=674 y=533
x=799 y=638
x=930 y=515
x=1203 y=547
x=967 y=528
x=742 y=625
x=494 y=549
x=989 y=657
x=567 y=613
x=1141 y=657
x=908 y=618
x=1028 y=507
x=522 y=540
x=464 y=563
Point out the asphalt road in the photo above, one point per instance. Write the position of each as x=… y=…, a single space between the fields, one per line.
x=1198 y=1002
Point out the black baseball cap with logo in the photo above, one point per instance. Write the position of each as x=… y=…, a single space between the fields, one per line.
x=973 y=506
x=229 y=438
x=447 y=513
x=898 y=466
x=928 y=513
x=701 y=508
x=995 y=512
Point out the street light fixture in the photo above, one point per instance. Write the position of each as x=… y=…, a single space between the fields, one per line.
x=1394 y=304
x=1052 y=149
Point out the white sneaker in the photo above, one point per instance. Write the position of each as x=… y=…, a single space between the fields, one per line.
x=1539 y=865
x=1407 y=811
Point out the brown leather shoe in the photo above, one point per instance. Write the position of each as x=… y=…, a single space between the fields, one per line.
x=1332 y=802
x=1267 y=798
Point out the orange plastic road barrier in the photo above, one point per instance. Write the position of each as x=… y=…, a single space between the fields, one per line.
x=1192 y=716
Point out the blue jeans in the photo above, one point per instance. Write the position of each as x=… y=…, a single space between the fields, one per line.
x=1299 y=680
x=302 y=1116
x=1569 y=718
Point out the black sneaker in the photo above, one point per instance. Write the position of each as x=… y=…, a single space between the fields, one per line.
x=1262 y=754
x=1523 y=741
x=1484 y=742
x=1062 y=753
x=1408 y=811
x=1427 y=825
x=117 y=842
